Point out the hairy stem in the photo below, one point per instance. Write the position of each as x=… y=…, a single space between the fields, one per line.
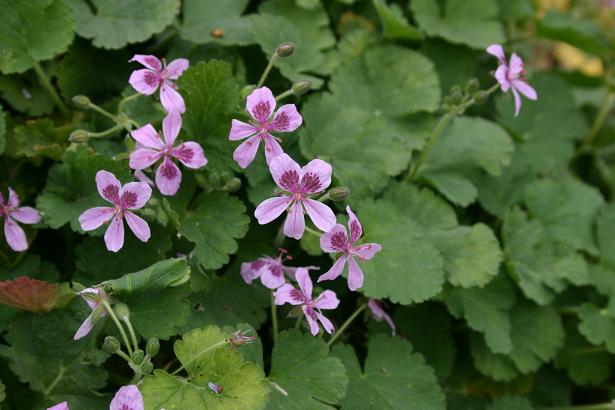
x=272 y=60
x=346 y=324
x=44 y=80
x=284 y=94
x=126 y=320
x=274 y=319
x=119 y=325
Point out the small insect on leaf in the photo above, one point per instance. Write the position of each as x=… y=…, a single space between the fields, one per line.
x=217 y=33
x=215 y=388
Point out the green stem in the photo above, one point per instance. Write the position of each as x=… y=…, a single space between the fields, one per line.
x=104 y=133
x=103 y=112
x=118 y=324
x=124 y=356
x=607 y=103
x=47 y=86
x=124 y=100
x=131 y=331
x=346 y=324
x=601 y=406
x=274 y=319
x=272 y=60
x=284 y=94
x=313 y=232
x=214 y=346
x=279 y=237
x=298 y=322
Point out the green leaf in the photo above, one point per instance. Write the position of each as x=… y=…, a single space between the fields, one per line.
x=2 y=391
x=214 y=226
x=38 y=138
x=71 y=186
x=541 y=265
x=202 y=20
x=487 y=310
x=211 y=95
x=25 y=94
x=205 y=360
x=510 y=403
x=467 y=146
x=163 y=274
x=32 y=31
x=597 y=325
x=472 y=23
x=572 y=29
x=2 y=129
x=605 y=226
x=442 y=53
x=567 y=210
x=394 y=24
x=496 y=366
x=110 y=25
x=304 y=375
x=392 y=377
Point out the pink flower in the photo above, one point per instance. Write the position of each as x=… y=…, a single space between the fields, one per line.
x=59 y=406
x=336 y=240
x=151 y=148
x=142 y=177
x=127 y=398
x=379 y=314
x=300 y=184
x=260 y=105
x=269 y=270
x=303 y=296
x=512 y=76
x=93 y=297
x=12 y=212
x=147 y=80
x=133 y=195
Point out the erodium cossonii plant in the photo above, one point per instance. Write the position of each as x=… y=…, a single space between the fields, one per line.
x=321 y=228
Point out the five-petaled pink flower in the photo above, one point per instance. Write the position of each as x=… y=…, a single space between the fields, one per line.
x=261 y=105
x=59 y=406
x=133 y=195
x=303 y=296
x=300 y=184
x=127 y=398
x=375 y=306
x=157 y=73
x=151 y=148
x=512 y=76
x=94 y=298
x=11 y=211
x=270 y=270
x=336 y=240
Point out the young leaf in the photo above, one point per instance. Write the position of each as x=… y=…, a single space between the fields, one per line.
x=212 y=21
x=394 y=24
x=163 y=274
x=597 y=325
x=28 y=294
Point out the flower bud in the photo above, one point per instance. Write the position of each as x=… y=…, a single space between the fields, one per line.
x=285 y=49
x=138 y=356
x=454 y=90
x=81 y=101
x=79 y=136
x=239 y=338
x=214 y=179
x=480 y=97
x=121 y=310
x=152 y=347
x=339 y=193
x=301 y=87
x=201 y=179
x=232 y=185
x=456 y=98
x=147 y=368
x=111 y=345
x=472 y=86
x=247 y=90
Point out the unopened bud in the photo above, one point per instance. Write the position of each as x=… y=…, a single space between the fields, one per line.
x=480 y=97
x=79 y=136
x=138 y=356
x=301 y=87
x=214 y=179
x=285 y=49
x=111 y=345
x=121 y=310
x=247 y=90
x=232 y=185
x=455 y=89
x=456 y=98
x=81 y=101
x=472 y=86
x=339 y=193
x=147 y=368
x=152 y=347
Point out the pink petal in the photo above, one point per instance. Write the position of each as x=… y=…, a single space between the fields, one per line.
x=497 y=51
x=380 y=314
x=168 y=178
x=142 y=177
x=138 y=226
x=525 y=89
x=171 y=124
x=190 y=154
x=355 y=275
x=135 y=195
x=240 y=130
x=176 y=68
x=336 y=269
x=272 y=148
x=517 y=98
x=271 y=208
x=260 y=104
x=334 y=240
x=326 y=323
x=88 y=294
x=322 y=216
x=501 y=74
x=366 y=251
x=59 y=406
x=356 y=230
x=15 y=236
x=108 y=186
x=149 y=61
x=144 y=81
x=248 y=271
x=148 y=137
x=13 y=201
x=516 y=66
x=311 y=318
x=127 y=398
x=94 y=217
x=171 y=100
x=143 y=158
x=285 y=172
x=270 y=280
x=85 y=328
x=327 y=300
x=26 y=215
x=315 y=176
x=244 y=154
x=295 y=222
x=287 y=294
x=114 y=237
x=305 y=282
x=286 y=119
